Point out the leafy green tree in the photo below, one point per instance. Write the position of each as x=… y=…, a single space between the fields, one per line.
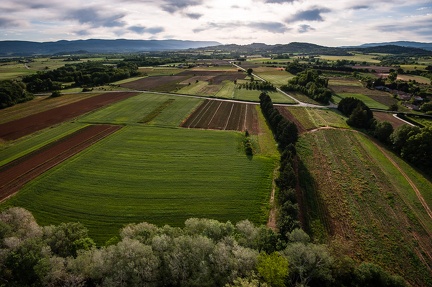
x=400 y=136
x=273 y=268
x=308 y=262
x=382 y=131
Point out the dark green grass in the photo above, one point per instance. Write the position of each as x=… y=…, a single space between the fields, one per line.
x=158 y=175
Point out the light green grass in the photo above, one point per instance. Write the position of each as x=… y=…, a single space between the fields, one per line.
x=355 y=58
x=158 y=175
x=134 y=109
x=367 y=100
x=312 y=118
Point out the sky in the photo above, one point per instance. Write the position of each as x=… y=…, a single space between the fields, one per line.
x=329 y=23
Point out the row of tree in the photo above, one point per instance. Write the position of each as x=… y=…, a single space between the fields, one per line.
x=13 y=92
x=310 y=83
x=257 y=85
x=82 y=74
x=203 y=253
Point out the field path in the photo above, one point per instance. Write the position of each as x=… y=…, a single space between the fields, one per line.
x=15 y=174
x=271 y=223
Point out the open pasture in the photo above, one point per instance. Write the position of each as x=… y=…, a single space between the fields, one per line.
x=418 y=79
x=158 y=175
x=220 y=115
x=371 y=103
x=360 y=58
x=275 y=75
x=357 y=199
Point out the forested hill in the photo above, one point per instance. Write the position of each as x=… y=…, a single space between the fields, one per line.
x=26 y=48
x=313 y=49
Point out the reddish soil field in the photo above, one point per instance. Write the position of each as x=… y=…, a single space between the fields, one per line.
x=18 y=172
x=223 y=115
x=28 y=125
x=289 y=116
x=156 y=83
x=388 y=117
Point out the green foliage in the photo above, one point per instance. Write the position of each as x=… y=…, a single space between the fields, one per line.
x=359 y=115
x=56 y=94
x=310 y=83
x=273 y=268
x=13 y=92
x=382 y=131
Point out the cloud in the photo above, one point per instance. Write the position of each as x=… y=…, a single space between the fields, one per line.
x=305 y=28
x=8 y=23
x=280 y=1
x=360 y=7
x=273 y=27
x=194 y=15
x=422 y=27
x=309 y=15
x=96 y=18
x=172 y=6
x=142 y=30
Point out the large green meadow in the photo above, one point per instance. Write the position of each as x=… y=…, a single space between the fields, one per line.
x=154 y=172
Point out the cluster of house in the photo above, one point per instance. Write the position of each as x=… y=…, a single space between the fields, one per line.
x=409 y=100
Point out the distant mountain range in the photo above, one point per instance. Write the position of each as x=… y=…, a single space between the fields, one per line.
x=26 y=48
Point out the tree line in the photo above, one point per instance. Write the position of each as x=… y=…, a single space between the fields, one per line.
x=87 y=74
x=13 y=92
x=412 y=143
x=204 y=252
x=310 y=83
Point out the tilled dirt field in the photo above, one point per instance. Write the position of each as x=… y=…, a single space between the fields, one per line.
x=28 y=125
x=223 y=115
x=17 y=173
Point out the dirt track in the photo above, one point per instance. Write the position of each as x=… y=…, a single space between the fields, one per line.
x=17 y=173
x=28 y=125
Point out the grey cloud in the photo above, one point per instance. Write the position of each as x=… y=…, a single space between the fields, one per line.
x=423 y=28
x=273 y=27
x=172 y=6
x=82 y=33
x=309 y=15
x=143 y=30
x=305 y=28
x=96 y=18
x=360 y=7
x=194 y=15
x=280 y=1
x=8 y=23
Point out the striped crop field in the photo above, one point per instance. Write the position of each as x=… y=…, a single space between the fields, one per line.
x=365 y=201
x=158 y=175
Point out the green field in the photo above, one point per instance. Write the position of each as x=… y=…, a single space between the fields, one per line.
x=134 y=109
x=356 y=58
x=367 y=100
x=359 y=202
x=154 y=172
x=314 y=118
x=158 y=175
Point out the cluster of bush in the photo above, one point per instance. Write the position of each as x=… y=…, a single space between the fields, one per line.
x=257 y=85
x=13 y=92
x=410 y=142
x=310 y=83
x=86 y=74
x=203 y=253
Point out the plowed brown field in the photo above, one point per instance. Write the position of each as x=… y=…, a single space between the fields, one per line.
x=27 y=125
x=17 y=173
x=223 y=115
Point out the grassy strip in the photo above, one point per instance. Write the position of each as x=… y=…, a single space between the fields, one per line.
x=158 y=175
x=367 y=100
x=153 y=114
